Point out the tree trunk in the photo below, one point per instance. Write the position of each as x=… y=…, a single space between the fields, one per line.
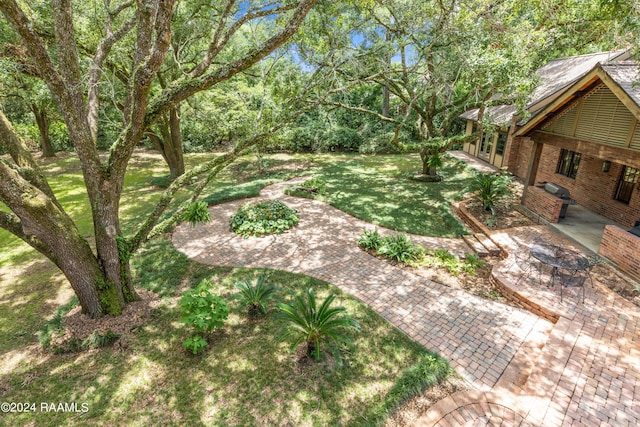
x=385 y=101
x=42 y=120
x=170 y=143
x=424 y=157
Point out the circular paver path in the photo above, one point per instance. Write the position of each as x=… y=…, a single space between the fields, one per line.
x=478 y=336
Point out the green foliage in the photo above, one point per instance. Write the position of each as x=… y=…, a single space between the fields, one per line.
x=430 y=370
x=370 y=240
x=489 y=189
x=471 y=264
x=442 y=258
x=195 y=344
x=401 y=248
x=197 y=213
x=99 y=340
x=202 y=310
x=268 y=217
x=315 y=184
x=163 y=181
x=54 y=325
x=317 y=325
x=255 y=297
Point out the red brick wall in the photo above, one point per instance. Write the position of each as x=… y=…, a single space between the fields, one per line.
x=542 y=203
x=517 y=161
x=592 y=188
x=623 y=248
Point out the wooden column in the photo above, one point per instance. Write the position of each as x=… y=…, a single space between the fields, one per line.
x=532 y=169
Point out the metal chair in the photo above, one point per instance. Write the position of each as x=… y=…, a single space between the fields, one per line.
x=573 y=279
x=578 y=278
x=525 y=262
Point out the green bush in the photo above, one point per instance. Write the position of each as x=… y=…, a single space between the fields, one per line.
x=489 y=189
x=255 y=297
x=197 y=213
x=370 y=240
x=471 y=264
x=430 y=370
x=204 y=311
x=269 y=217
x=316 y=184
x=317 y=325
x=401 y=248
x=441 y=258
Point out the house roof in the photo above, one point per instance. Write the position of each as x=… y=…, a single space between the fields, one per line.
x=555 y=77
x=623 y=78
x=562 y=72
x=627 y=75
x=500 y=114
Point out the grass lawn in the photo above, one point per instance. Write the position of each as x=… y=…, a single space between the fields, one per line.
x=247 y=377
x=377 y=190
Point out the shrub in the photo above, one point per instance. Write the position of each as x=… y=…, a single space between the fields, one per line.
x=430 y=370
x=401 y=248
x=489 y=189
x=204 y=311
x=255 y=297
x=197 y=213
x=471 y=264
x=442 y=258
x=315 y=184
x=269 y=217
x=370 y=240
x=317 y=325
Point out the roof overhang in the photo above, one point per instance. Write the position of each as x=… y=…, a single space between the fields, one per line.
x=590 y=80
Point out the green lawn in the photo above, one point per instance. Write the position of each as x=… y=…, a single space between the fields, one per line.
x=247 y=377
x=377 y=189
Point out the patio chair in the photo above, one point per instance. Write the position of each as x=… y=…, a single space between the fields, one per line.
x=525 y=262
x=573 y=279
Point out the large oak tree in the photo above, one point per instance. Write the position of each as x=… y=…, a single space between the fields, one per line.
x=56 y=46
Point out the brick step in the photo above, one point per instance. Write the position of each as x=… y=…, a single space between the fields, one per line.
x=548 y=370
x=491 y=247
x=476 y=246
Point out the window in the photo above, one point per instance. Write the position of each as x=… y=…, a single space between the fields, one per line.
x=502 y=142
x=474 y=129
x=568 y=163
x=628 y=179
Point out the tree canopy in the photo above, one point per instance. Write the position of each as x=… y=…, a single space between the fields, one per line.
x=121 y=71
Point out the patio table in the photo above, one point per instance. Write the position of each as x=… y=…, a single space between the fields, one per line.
x=559 y=258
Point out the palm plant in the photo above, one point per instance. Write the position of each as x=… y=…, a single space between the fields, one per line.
x=316 y=325
x=255 y=296
x=489 y=189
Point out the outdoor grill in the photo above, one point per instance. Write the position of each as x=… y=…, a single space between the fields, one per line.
x=561 y=193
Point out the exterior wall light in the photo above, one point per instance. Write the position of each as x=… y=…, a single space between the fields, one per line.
x=606 y=165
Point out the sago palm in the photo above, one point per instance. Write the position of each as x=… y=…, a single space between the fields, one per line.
x=489 y=189
x=255 y=297
x=316 y=325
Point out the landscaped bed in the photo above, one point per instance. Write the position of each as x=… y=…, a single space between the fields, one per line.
x=246 y=376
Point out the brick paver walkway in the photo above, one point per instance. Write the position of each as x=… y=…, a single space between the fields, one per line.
x=581 y=371
x=479 y=337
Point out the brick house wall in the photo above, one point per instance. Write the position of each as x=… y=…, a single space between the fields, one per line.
x=542 y=203
x=592 y=188
x=621 y=247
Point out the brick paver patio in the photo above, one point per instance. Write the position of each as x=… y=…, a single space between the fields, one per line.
x=524 y=369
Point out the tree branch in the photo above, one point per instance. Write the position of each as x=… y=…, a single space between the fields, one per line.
x=186 y=87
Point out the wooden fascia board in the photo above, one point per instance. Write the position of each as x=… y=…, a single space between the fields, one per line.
x=567 y=96
x=621 y=95
x=597 y=73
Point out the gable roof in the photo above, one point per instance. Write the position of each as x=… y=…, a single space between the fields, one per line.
x=555 y=77
x=560 y=73
x=500 y=115
x=622 y=78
